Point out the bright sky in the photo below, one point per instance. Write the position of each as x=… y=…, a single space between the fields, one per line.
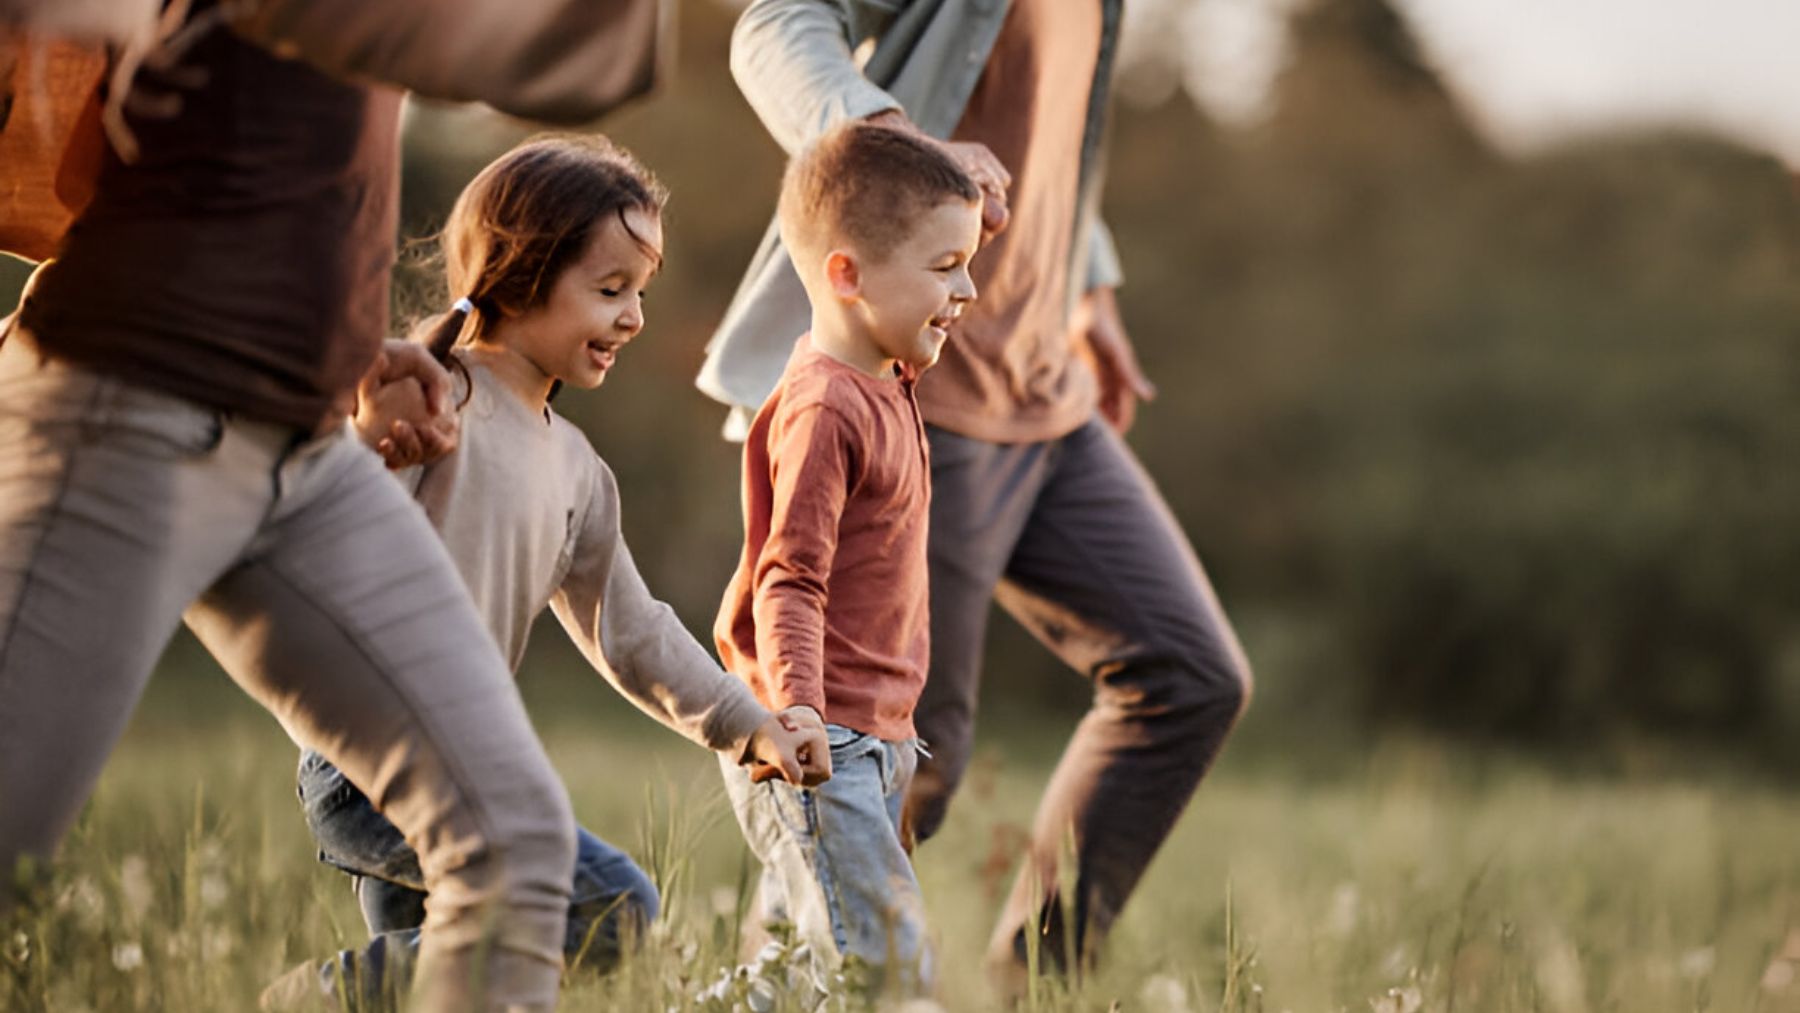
x=1532 y=71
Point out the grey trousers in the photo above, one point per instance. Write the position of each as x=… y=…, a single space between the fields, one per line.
x=322 y=589
x=1072 y=538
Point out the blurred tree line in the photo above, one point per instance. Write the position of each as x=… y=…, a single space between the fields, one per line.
x=1482 y=445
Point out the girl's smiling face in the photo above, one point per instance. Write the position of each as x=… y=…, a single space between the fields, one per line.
x=595 y=307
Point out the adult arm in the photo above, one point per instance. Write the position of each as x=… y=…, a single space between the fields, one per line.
x=794 y=61
x=561 y=61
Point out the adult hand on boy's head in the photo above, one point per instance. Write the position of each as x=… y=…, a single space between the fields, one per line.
x=791 y=745
x=984 y=167
x=976 y=159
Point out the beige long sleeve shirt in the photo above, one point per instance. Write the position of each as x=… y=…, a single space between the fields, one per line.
x=530 y=514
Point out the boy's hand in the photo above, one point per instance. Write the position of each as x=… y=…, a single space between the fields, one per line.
x=791 y=745
x=403 y=409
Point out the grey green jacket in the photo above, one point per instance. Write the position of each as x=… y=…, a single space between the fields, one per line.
x=807 y=65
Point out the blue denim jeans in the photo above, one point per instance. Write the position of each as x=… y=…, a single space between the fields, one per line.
x=613 y=900
x=833 y=865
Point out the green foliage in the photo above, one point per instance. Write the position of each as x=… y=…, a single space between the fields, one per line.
x=1419 y=874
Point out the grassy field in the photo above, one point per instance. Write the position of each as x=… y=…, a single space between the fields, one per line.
x=1408 y=878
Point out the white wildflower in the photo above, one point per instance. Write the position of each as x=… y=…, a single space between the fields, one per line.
x=1164 y=993
x=724 y=901
x=1399 y=1000
x=83 y=899
x=127 y=956
x=1697 y=963
x=134 y=886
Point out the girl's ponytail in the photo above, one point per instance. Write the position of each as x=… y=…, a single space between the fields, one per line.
x=444 y=333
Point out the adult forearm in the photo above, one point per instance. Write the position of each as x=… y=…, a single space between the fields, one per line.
x=793 y=60
x=564 y=61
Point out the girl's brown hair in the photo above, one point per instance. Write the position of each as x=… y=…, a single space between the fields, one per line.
x=523 y=220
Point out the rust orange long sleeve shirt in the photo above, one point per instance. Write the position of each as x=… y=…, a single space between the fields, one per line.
x=828 y=607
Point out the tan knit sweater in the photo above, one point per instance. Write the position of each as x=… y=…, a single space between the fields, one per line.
x=530 y=514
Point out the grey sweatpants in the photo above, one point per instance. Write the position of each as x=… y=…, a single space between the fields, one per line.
x=1072 y=538
x=322 y=589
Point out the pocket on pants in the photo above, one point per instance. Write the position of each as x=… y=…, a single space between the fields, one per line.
x=151 y=423
x=794 y=808
x=847 y=742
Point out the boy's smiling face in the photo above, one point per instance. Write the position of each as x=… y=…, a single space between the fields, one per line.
x=910 y=297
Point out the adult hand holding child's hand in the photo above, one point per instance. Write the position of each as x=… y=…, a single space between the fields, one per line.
x=791 y=745
x=403 y=406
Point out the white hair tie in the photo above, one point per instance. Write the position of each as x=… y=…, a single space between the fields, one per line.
x=463 y=306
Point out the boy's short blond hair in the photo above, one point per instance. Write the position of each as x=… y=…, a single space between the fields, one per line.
x=866 y=185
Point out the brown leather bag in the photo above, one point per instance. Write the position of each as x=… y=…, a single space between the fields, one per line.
x=51 y=140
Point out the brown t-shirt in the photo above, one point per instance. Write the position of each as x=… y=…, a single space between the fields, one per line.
x=1009 y=373
x=242 y=261
x=828 y=607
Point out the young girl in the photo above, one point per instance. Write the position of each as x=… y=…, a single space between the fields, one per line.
x=547 y=252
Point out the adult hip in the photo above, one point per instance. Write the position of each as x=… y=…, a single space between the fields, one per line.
x=321 y=589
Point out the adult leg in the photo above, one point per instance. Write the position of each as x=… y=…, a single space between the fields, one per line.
x=981 y=498
x=349 y=622
x=1104 y=576
x=117 y=506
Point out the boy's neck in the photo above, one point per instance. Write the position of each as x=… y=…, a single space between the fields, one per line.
x=850 y=348
x=516 y=373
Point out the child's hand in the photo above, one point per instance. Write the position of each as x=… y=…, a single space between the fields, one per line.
x=402 y=408
x=791 y=745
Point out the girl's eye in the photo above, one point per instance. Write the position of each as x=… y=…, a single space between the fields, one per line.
x=610 y=293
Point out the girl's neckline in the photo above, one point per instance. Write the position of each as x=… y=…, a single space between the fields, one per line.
x=503 y=391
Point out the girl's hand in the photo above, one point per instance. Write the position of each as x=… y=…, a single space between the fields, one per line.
x=403 y=409
x=791 y=745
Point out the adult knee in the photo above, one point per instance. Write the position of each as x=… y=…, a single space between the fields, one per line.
x=1210 y=687
x=1216 y=683
x=528 y=847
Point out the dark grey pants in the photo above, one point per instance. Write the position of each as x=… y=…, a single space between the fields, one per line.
x=1073 y=539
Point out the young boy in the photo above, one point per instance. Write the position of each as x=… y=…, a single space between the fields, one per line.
x=828 y=607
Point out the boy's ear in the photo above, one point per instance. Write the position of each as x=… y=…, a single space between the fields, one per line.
x=843 y=274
